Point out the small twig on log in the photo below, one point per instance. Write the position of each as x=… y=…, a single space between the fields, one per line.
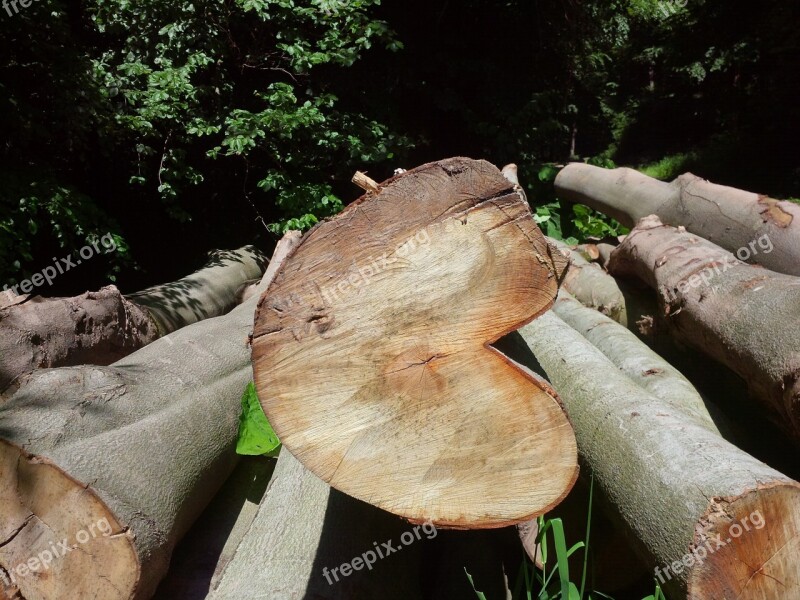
x=366 y=183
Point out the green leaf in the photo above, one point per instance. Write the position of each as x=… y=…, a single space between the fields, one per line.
x=481 y=595
x=256 y=436
x=562 y=558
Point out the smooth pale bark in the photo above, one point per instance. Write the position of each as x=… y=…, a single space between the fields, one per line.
x=744 y=316
x=372 y=361
x=100 y=328
x=604 y=251
x=142 y=445
x=733 y=219
x=673 y=480
x=592 y=286
x=633 y=358
x=304 y=530
x=739 y=420
x=209 y=292
x=204 y=553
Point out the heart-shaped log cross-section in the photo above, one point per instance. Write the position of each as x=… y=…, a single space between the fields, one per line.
x=372 y=359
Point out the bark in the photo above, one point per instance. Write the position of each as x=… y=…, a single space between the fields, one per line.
x=639 y=363
x=605 y=251
x=303 y=530
x=100 y=328
x=673 y=480
x=725 y=394
x=594 y=287
x=761 y=229
x=95 y=328
x=741 y=315
x=140 y=446
x=209 y=292
x=420 y=416
x=203 y=554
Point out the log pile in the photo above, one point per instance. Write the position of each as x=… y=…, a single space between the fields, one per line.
x=102 y=327
x=430 y=361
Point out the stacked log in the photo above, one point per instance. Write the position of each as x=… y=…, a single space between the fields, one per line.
x=100 y=328
x=104 y=469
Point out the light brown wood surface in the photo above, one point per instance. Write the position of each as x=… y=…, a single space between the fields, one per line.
x=371 y=352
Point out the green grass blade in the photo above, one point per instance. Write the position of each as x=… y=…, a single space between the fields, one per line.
x=481 y=595
x=586 y=541
x=562 y=560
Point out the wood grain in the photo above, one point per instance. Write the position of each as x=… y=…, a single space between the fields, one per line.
x=372 y=359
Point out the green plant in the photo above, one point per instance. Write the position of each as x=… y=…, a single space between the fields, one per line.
x=554 y=583
x=571 y=223
x=256 y=436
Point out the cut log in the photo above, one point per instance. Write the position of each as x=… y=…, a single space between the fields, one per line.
x=100 y=328
x=589 y=251
x=739 y=419
x=117 y=462
x=605 y=251
x=372 y=361
x=592 y=286
x=209 y=292
x=96 y=328
x=744 y=316
x=304 y=532
x=642 y=366
x=204 y=553
x=713 y=521
x=759 y=229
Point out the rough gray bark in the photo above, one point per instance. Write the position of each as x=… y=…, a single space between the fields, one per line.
x=744 y=316
x=100 y=328
x=303 y=530
x=96 y=328
x=733 y=219
x=673 y=480
x=142 y=445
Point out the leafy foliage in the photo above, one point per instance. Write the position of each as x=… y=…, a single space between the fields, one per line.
x=202 y=122
x=256 y=436
x=166 y=101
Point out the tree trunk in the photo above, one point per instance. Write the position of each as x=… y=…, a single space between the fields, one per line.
x=592 y=286
x=740 y=420
x=203 y=554
x=96 y=328
x=420 y=417
x=744 y=316
x=634 y=359
x=305 y=531
x=100 y=328
x=119 y=461
x=712 y=520
x=759 y=229
x=208 y=292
